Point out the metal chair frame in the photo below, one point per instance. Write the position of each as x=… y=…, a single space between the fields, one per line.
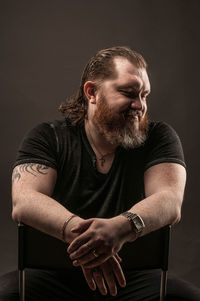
x=148 y=252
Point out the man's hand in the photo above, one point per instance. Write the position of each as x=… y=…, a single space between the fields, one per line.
x=100 y=239
x=105 y=276
x=68 y=235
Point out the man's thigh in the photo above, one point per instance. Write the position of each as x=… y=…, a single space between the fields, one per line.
x=178 y=289
x=141 y=286
x=71 y=285
x=145 y=286
x=46 y=286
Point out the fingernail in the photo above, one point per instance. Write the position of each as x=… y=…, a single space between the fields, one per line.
x=93 y=288
x=75 y=262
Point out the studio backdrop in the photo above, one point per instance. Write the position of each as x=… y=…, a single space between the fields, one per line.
x=44 y=47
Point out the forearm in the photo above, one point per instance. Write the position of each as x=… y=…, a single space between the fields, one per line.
x=42 y=212
x=160 y=209
x=164 y=189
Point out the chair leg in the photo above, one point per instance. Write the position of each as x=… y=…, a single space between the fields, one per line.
x=22 y=285
x=163 y=285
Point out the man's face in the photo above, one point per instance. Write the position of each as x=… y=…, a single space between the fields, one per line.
x=120 y=113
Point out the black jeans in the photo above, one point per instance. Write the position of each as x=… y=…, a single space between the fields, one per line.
x=71 y=285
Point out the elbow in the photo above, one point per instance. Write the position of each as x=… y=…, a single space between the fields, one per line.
x=16 y=210
x=177 y=218
x=15 y=214
x=176 y=215
x=175 y=200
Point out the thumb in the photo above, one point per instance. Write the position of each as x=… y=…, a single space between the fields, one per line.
x=119 y=259
x=82 y=226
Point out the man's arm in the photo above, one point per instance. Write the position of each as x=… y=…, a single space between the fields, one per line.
x=164 y=189
x=32 y=187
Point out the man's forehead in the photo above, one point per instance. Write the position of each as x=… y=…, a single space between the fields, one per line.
x=129 y=75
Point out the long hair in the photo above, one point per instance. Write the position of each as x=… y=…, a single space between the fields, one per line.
x=99 y=68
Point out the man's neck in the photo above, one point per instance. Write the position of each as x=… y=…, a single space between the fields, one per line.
x=97 y=140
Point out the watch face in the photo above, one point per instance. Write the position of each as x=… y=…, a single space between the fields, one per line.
x=138 y=223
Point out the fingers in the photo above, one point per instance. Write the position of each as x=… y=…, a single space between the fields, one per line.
x=110 y=279
x=90 y=261
x=118 y=257
x=106 y=276
x=93 y=258
x=88 y=274
x=98 y=277
x=78 y=244
x=112 y=271
x=94 y=278
x=84 y=250
x=94 y=236
x=89 y=255
x=117 y=270
x=82 y=226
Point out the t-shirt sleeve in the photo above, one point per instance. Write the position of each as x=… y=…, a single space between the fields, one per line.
x=38 y=146
x=163 y=145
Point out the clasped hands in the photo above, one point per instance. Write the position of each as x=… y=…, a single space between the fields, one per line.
x=95 y=248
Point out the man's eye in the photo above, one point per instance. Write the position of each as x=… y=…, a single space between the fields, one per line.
x=129 y=94
x=144 y=96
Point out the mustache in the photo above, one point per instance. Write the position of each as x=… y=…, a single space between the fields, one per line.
x=131 y=114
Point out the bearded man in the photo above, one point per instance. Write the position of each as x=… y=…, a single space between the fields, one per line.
x=100 y=178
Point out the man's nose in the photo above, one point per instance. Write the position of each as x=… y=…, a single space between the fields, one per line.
x=137 y=104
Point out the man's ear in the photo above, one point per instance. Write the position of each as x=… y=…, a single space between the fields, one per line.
x=90 y=91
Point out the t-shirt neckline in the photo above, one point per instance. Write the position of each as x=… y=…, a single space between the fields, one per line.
x=93 y=155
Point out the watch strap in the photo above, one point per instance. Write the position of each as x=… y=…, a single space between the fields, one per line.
x=132 y=219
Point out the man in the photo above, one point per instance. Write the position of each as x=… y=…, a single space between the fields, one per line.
x=98 y=179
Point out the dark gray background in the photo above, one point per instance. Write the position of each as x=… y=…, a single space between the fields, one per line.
x=44 y=47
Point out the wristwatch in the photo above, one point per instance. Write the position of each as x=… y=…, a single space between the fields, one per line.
x=137 y=223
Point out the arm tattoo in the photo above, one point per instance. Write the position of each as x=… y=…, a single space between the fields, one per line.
x=31 y=168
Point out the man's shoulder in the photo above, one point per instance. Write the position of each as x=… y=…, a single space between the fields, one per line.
x=160 y=128
x=64 y=124
x=61 y=126
x=162 y=145
x=158 y=125
x=48 y=130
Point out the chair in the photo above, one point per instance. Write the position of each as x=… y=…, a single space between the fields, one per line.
x=147 y=252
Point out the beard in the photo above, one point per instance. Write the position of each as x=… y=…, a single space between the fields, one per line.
x=127 y=129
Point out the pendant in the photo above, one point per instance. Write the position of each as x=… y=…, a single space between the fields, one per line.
x=102 y=160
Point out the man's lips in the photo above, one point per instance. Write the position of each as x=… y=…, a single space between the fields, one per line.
x=136 y=116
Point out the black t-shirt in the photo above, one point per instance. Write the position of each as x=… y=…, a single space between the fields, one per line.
x=80 y=187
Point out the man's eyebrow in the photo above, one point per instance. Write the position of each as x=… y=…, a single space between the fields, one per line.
x=135 y=87
x=132 y=86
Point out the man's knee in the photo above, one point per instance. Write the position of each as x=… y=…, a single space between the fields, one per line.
x=9 y=287
x=179 y=289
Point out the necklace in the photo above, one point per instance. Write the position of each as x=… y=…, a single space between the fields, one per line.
x=102 y=157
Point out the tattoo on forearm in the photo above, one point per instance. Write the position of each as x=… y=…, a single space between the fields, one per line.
x=31 y=168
